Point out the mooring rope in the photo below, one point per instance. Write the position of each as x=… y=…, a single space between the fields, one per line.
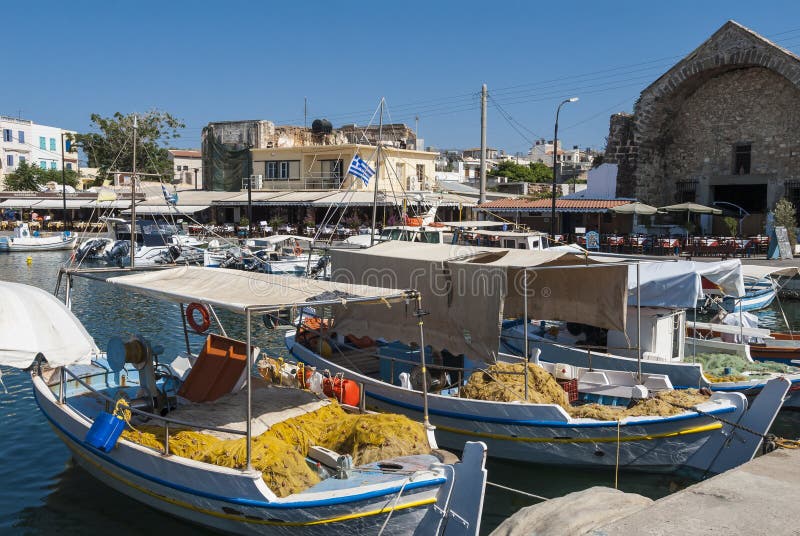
x=519 y=491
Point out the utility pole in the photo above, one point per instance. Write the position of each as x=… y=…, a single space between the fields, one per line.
x=133 y=193
x=555 y=171
x=377 y=174
x=484 y=94
x=63 y=184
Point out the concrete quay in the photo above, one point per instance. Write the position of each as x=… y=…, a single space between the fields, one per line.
x=759 y=497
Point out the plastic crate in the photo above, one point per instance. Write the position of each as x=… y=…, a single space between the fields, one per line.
x=571 y=388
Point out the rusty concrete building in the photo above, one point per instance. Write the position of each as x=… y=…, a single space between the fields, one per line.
x=227 y=145
x=722 y=125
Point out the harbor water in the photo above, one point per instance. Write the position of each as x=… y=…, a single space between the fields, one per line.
x=43 y=492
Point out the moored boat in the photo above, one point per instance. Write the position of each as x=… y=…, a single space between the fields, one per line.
x=25 y=241
x=76 y=386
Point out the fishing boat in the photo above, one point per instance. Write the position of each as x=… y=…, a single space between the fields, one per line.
x=283 y=254
x=90 y=397
x=24 y=240
x=666 y=291
x=460 y=283
x=737 y=331
x=760 y=293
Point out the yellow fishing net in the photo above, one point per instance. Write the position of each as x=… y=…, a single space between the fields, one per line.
x=280 y=452
x=505 y=382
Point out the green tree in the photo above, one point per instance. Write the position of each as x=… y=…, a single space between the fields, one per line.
x=110 y=146
x=24 y=179
x=785 y=217
x=28 y=177
x=535 y=172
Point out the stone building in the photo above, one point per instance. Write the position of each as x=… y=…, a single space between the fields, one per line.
x=722 y=125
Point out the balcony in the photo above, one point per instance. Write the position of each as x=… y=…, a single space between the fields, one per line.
x=311 y=182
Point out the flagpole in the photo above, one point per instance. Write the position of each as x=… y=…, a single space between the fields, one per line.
x=377 y=176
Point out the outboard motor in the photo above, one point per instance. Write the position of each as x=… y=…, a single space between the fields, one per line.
x=320 y=267
x=119 y=250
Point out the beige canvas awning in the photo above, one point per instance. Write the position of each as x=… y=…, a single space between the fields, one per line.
x=468 y=290
x=237 y=291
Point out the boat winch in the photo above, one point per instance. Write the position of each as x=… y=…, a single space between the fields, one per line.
x=137 y=351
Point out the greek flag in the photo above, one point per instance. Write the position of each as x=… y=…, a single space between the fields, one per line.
x=361 y=169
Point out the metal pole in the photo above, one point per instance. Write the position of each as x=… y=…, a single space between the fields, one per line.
x=133 y=194
x=63 y=184
x=377 y=175
x=525 y=324
x=250 y=205
x=555 y=171
x=783 y=313
x=195 y=177
x=484 y=94
x=249 y=351
x=420 y=314
x=185 y=330
x=638 y=322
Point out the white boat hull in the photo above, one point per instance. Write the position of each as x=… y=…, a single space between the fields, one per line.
x=545 y=434
x=233 y=501
x=47 y=243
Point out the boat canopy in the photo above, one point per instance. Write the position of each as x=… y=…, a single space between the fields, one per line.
x=33 y=322
x=757 y=271
x=468 y=290
x=277 y=239
x=240 y=291
x=679 y=284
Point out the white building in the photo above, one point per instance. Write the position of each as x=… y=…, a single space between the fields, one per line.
x=188 y=166
x=25 y=141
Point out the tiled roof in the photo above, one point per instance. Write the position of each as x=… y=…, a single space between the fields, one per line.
x=185 y=154
x=562 y=205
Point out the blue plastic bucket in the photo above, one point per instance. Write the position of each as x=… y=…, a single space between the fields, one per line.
x=105 y=431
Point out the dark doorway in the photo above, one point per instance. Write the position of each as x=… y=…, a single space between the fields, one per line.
x=751 y=197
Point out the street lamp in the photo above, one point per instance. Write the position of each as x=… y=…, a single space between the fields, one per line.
x=555 y=170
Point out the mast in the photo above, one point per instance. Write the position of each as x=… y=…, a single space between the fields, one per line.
x=377 y=175
x=133 y=194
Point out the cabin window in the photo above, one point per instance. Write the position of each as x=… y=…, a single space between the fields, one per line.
x=510 y=244
x=429 y=237
x=741 y=159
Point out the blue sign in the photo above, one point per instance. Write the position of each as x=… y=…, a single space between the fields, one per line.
x=593 y=240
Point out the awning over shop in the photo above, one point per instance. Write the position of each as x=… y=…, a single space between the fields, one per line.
x=51 y=204
x=19 y=203
x=164 y=209
x=115 y=204
x=352 y=198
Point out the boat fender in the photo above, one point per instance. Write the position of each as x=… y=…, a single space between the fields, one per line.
x=205 y=322
x=345 y=391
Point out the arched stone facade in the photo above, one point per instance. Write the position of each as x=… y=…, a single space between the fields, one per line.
x=736 y=93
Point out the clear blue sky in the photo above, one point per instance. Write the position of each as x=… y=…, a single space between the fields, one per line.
x=210 y=61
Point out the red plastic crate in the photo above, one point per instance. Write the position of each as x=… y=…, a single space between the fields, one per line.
x=571 y=388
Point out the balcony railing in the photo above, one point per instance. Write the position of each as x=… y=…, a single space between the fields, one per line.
x=313 y=182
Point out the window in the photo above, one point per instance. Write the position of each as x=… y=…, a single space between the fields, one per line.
x=52 y=144
x=272 y=170
x=42 y=163
x=42 y=142
x=420 y=172
x=186 y=168
x=69 y=166
x=21 y=136
x=52 y=165
x=22 y=159
x=7 y=136
x=741 y=159
x=284 y=170
x=10 y=160
x=686 y=191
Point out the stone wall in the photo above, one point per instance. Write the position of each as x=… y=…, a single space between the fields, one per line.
x=737 y=87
